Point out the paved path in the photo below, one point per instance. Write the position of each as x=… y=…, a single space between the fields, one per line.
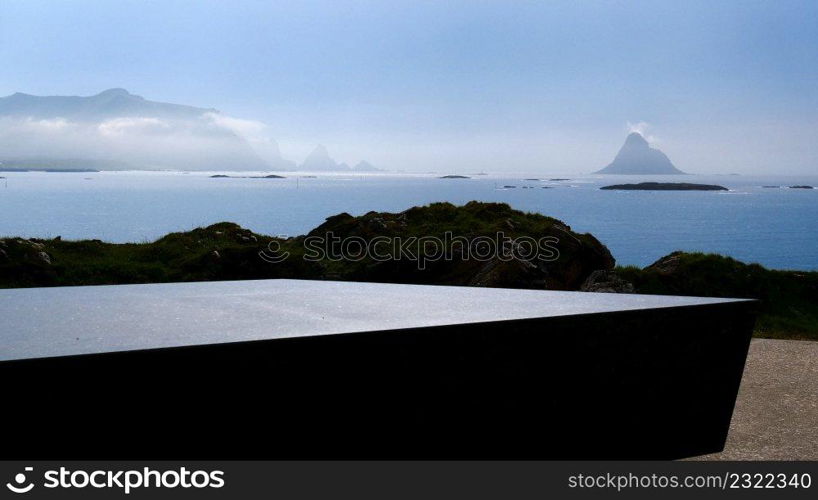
x=776 y=416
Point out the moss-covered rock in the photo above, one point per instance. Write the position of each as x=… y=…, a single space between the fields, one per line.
x=442 y=240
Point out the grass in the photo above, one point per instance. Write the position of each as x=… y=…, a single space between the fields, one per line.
x=788 y=300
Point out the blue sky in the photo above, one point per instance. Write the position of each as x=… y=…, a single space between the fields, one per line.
x=728 y=86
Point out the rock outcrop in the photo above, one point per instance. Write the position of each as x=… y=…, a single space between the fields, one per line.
x=477 y=244
x=480 y=244
x=606 y=281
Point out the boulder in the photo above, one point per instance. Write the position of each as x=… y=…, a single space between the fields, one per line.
x=43 y=257
x=606 y=281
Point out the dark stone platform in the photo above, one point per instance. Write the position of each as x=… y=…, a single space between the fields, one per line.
x=306 y=369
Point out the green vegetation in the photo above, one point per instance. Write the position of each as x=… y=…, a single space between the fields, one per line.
x=190 y=256
x=788 y=300
x=226 y=251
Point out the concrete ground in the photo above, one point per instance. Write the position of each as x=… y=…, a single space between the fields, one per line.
x=776 y=415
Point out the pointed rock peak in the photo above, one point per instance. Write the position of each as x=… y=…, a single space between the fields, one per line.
x=636 y=139
x=636 y=157
x=319 y=159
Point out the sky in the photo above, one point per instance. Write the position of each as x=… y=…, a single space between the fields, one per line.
x=545 y=86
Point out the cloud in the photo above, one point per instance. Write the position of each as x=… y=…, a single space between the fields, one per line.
x=145 y=142
x=46 y=125
x=133 y=125
x=642 y=129
x=249 y=129
x=638 y=127
x=256 y=134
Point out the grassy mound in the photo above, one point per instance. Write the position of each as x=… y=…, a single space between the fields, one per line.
x=788 y=300
x=225 y=251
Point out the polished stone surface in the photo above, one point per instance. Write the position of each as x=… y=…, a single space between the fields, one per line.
x=45 y=322
x=323 y=370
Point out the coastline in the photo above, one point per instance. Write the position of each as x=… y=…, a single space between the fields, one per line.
x=226 y=251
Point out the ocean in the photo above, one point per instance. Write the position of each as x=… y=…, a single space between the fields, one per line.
x=776 y=227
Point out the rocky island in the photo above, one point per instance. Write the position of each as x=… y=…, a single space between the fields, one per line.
x=636 y=157
x=320 y=161
x=665 y=186
x=223 y=176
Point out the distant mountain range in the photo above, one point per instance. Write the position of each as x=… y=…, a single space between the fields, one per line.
x=320 y=161
x=636 y=157
x=112 y=103
x=119 y=130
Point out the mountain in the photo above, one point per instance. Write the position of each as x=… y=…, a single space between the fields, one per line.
x=637 y=157
x=319 y=160
x=111 y=103
x=118 y=127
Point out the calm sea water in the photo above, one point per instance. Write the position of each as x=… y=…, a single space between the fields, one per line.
x=775 y=227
